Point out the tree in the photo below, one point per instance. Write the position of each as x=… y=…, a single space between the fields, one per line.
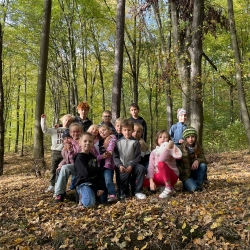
x=118 y=67
x=38 y=152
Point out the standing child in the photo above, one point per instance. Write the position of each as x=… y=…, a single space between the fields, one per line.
x=127 y=155
x=83 y=110
x=177 y=129
x=118 y=128
x=106 y=119
x=193 y=165
x=57 y=144
x=162 y=169
x=89 y=177
x=135 y=118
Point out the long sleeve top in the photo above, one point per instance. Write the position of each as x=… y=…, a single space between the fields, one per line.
x=166 y=155
x=55 y=133
x=144 y=125
x=176 y=131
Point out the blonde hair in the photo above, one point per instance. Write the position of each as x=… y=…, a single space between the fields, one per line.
x=119 y=120
x=69 y=116
x=104 y=126
x=75 y=124
x=139 y=126
x=93 y=125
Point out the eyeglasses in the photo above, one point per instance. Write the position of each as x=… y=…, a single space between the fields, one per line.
x=106 y=116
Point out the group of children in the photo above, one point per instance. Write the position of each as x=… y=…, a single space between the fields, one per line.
x=93 y=154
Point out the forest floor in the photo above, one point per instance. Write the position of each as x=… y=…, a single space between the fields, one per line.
x=216 y=218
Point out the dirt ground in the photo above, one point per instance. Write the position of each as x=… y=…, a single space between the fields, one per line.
x=216 y=218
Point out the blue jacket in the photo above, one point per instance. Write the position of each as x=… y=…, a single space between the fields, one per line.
x=176 y=131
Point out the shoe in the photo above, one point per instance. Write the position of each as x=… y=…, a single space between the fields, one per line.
x=59 y=197
x=50 y=189
x=166 y=193
x=111 y=198
x=140 y=196
x=206 y=182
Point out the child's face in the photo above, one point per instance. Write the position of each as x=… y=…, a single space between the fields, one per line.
x=67 y=121
x=127 y=132
x=83 y=112
x=137 y=133
x=67 y=140
x=86 y=143
x=106 y=117
x=163 y=138
x=75 y=132
x=182 y=118
x=118 y=127
x=134 y=112
x=104 y=132
x=191 y=140
x=93 y=130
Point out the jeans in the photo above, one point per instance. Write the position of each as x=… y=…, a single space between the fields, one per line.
x=86 y=195
x=196 y=178
x=108 y=176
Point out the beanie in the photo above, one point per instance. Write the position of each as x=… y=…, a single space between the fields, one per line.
x=66 y=134
x=188 y=132
x=181 y=111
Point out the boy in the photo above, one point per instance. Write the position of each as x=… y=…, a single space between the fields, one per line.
x=89 y=177
x=127 y=155
x=57 y=144
x=177 y=129
x=135 y=118
x=83 y=110
x=118 y=128
x=106 y=119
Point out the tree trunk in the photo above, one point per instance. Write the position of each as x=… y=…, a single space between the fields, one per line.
x=195 y=51
x=238 y=70
x=41 y=85
x=1 y=105
x=17 y=117
x=118 y=67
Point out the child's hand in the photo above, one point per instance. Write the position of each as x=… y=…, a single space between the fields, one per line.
x=109 y=153
x=106 y=141
x=122 y=169
x=104 y=155
x=195 y=165
x=181 y=141
x=129 y=169
x=56 y=126
x=59 y=167
x=152 y=184
x=68 y=145
x=43 y=115
x=100 y=192
x=170 y=144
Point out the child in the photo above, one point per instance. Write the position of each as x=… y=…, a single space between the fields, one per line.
x=193 y=165
x=93 y=129
x=135 y=118
x=57 y=145
x=106 y=119
x=127 y=155
x=72 y=147
x=137 y=134
x=177 y=129
x=89 y=177
x=118 y=128
x=83 y=110
x=162 y=169
x=105 y=148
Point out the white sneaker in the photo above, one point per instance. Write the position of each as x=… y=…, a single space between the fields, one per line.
x=50 y=189
x=166 y=193
x=140 y=196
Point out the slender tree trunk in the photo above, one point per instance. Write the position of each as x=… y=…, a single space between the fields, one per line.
x=118 y=67
x=17 y=118
x=1 y=105
x=41 y=85
x=238 y=70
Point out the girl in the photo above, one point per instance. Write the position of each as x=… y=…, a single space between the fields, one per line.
x=104 y=151
x=93 y=129
x=193 y=165
x=162 y=169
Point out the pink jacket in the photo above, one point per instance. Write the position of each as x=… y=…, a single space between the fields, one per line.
x=162 y=154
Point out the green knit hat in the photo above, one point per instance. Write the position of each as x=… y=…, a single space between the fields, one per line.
x=188 y=132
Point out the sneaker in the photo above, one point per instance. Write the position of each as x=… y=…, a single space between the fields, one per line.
x=166 y=193
x=111 y=198
x=59 y=197
x=140 y=196
x=50 y=189
x=206 y=182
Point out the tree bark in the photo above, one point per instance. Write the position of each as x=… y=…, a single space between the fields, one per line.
x=118 y=67
x=238 y=70
x=38 y=152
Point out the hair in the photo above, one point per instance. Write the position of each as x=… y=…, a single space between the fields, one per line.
x=67 y=116
x=119 y=120
x=127 y=123
x=134 y=105
x=83 y=105
x=163 y=131
x=75 y=124
x=93 y=125
x=197 y=147
x=87 y=133
x=104 y=126
x=139 y=126
x=107 y=112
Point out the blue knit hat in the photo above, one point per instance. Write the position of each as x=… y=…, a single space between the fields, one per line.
x=188 y=132
x=66 y=134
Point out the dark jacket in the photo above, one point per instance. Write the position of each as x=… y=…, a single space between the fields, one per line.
x=143 y=123
x=87 y=170
x=185 y=163
x=85 y=124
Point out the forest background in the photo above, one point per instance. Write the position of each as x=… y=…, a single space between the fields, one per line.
x=81 y=67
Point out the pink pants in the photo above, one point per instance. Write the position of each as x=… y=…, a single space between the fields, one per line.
x=165 y=174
